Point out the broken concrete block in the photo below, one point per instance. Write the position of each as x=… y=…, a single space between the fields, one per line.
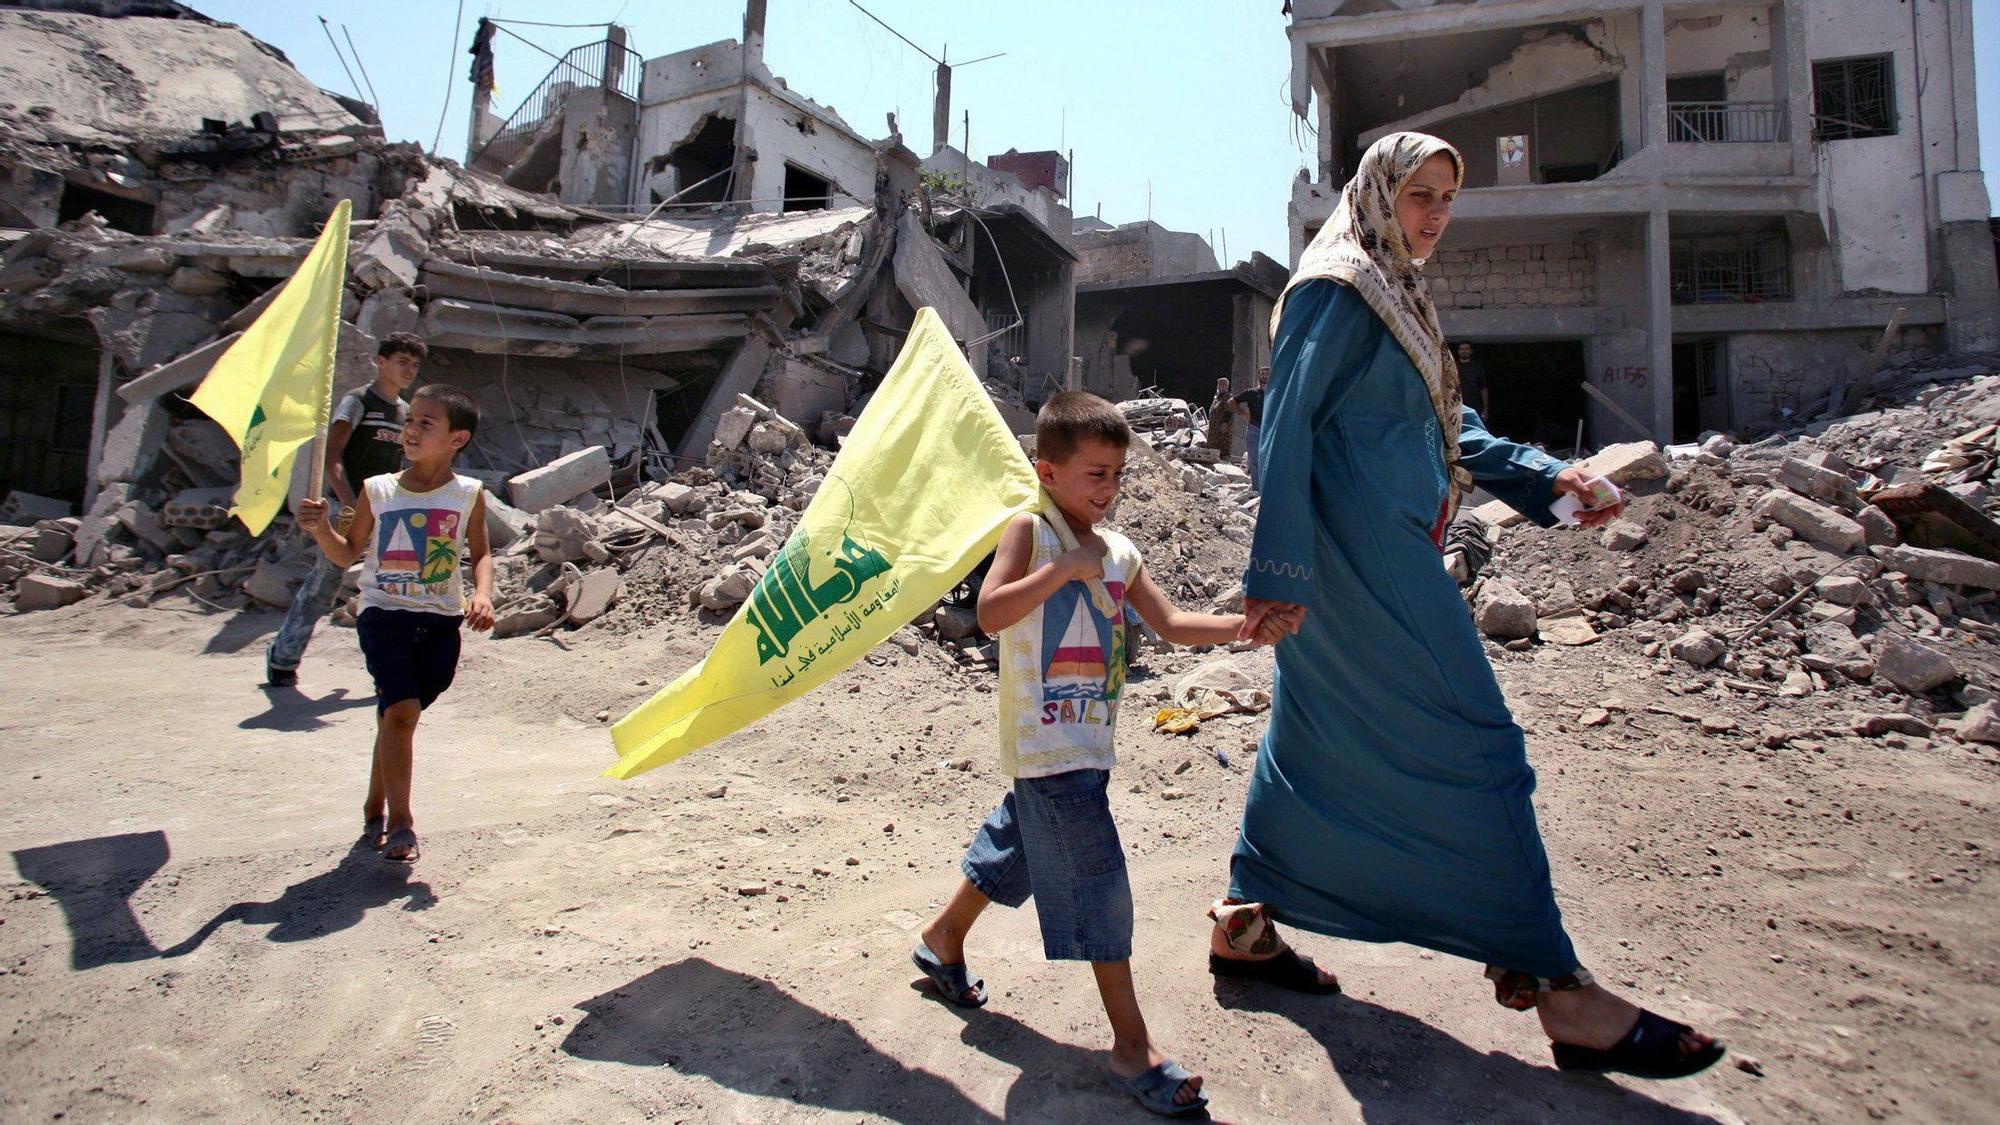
x=145 y=525
x=28 y=509
x=1950 y=567
x=1875 y=726
x=1503 y=611
x=679 y=498
x=593 y=594
x=54 y=539
x=734 y=426
x=203 y=508
x=1876 y=525
x=956 y=623
x=768 y=440
x=504 y=523
x=1623 y=535
x=537 y=490
x=1844 y=590
x=531 y=615
x=275 y=583
x=1913 y=667
x=41 y=591
x=1813 y=522
x=1981 y=724
x=1698 y=647
x=1819 y=483
x=1629 y=461
x=727 y=590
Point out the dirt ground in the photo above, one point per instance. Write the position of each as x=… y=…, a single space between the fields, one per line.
x=188 y=933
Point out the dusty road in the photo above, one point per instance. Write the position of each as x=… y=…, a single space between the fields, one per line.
x=186 y=932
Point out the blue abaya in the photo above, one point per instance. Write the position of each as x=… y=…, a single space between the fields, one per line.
x=1390 y=802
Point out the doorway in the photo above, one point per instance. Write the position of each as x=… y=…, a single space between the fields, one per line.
x=1701 y=389
x=48 y=393
x=1534 y=390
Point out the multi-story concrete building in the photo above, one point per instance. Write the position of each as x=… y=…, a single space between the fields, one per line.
x=1708 y=211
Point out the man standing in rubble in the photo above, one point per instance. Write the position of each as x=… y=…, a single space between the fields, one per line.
x=364 y=440
x=1221 y=420
x=1250 y=404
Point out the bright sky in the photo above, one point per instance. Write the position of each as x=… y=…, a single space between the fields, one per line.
x=1174 y=108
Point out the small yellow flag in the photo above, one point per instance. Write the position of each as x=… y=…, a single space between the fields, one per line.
x=270 y=391
x=919 y=494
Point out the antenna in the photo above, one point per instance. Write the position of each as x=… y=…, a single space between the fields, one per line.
x=941 y=104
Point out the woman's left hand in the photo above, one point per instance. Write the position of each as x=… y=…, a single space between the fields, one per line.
x=1573 y=481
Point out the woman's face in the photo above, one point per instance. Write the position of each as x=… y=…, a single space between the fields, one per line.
x=1423 y=207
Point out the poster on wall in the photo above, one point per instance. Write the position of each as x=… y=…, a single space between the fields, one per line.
x=1512 y=154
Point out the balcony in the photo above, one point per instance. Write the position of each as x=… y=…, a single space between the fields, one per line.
x=1725 y=122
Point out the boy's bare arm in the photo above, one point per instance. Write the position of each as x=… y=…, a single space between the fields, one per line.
x=1178 y=625
x=479 y=607
x=337 y=437
x=1011 y=593
x=342 y=551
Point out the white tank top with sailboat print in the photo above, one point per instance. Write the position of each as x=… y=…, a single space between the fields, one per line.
x=416 y=559
x=1062 y=668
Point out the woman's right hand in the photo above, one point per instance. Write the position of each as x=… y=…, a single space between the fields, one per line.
x=1257 y=613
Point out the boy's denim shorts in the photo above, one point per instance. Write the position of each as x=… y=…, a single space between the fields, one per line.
x=1052 y=838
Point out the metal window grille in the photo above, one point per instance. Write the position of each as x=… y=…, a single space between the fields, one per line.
x=1854 y=98
x=1722 y=270
x=1722 y=122
x=1012 y=341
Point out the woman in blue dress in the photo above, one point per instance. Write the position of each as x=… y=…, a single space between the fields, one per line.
x=1391 y=799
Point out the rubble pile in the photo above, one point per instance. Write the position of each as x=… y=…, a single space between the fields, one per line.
x=1847 y=563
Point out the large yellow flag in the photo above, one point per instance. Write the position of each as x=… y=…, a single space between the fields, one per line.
x=919 y=494
x=270 y=390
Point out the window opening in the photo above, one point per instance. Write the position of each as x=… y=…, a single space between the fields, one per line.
x=805 y=191
x=1853 y=98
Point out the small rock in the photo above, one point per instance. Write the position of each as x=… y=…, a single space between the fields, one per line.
x=717 y=792
x=1623 y=535
x=1717 y=724
x=1172 y=794
x=1595 y=717
x=40 y=591
x=1749 y=1064
x=752 y=890
x=1981 y=724
x=1913 y=667
x=1698 y=647
x=1504 y=611
x=1875 y=726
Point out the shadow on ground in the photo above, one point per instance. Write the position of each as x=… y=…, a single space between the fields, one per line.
x=747 y=1034
x=93 y=881
x=241 y=630
x=1401 y=1069
x=289 y=709
x=326 y=903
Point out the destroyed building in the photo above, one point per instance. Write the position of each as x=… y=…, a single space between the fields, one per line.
x=1707 y=212
x=712 y=127
x=1154 y=310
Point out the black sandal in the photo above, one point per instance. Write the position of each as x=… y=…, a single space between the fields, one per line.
x=1286 y=970
x=1652 y=1049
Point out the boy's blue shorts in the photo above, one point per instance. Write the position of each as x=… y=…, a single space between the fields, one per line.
x=1052 y=838
x=411 y=654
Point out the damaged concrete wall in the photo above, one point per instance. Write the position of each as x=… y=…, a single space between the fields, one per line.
x=682 y=90
x=1132 y=251
x=1550 y=61
x=1773 y=375
x=1734 y=42
x=599 y=128
x=1561 y=274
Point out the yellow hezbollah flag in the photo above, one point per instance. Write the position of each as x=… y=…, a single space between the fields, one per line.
x=270 y=390
x=918 y=495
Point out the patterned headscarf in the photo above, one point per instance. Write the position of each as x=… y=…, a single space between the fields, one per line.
x=1362 y=246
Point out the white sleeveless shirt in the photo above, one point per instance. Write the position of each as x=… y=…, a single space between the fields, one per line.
x=416 y=559
x=1062 y=669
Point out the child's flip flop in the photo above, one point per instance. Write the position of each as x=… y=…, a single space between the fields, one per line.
x=1155 y=1090
x=404 y=838
x=373 y=830
x=952 y=981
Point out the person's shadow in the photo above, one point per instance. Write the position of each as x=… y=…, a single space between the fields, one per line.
x=241 y=629
x=1399 y=1068
x=289 y=709
x=323 y=904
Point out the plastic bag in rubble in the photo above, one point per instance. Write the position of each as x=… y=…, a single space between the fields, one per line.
x=1210 y=691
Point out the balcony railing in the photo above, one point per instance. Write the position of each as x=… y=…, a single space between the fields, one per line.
x=1725 y=122
x=603 y=64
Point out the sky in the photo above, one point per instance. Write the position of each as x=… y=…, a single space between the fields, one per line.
x=1176 y=110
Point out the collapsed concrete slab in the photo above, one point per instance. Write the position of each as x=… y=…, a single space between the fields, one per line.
x=563 y=479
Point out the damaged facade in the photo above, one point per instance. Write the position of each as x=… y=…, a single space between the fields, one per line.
x=161 y=175
x=1154 y=310
x=1707 y=211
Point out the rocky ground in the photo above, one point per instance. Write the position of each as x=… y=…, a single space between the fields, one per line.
x=1777 y=832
